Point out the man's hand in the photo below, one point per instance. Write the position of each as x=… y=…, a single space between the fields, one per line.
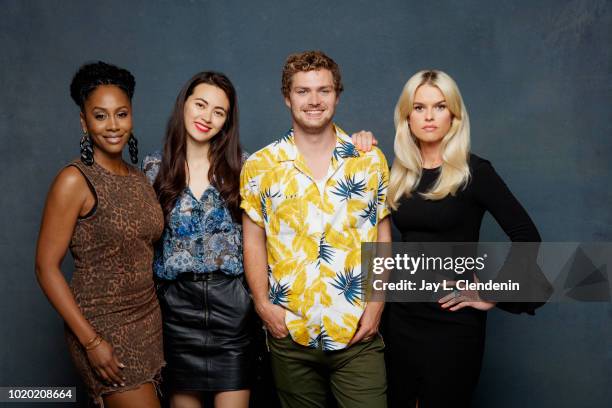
x=273 y=316
x=364 y=140
x=367 y=327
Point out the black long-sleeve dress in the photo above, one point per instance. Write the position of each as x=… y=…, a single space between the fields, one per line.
x=435 y=355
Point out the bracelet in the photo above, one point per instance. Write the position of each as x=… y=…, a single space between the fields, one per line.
x=93 y=343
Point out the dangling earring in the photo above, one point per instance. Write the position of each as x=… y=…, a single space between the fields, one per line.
x=86 y=149
x=133 y=148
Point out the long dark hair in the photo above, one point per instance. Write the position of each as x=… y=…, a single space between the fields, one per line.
x=225 y=153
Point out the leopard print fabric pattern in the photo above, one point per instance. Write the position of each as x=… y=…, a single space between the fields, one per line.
x=112 y=282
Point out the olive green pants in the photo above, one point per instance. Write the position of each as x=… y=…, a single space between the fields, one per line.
x=356 y=376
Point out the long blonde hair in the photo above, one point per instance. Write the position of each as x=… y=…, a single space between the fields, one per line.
x=408 y=163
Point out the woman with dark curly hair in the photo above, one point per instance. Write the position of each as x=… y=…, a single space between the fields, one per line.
x=106 y=213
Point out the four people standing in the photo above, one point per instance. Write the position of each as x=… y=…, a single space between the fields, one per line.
x=309 y=199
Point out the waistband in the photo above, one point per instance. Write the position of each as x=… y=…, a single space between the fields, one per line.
x=205 y=276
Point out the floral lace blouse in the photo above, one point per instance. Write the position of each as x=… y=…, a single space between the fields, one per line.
x=200 y=236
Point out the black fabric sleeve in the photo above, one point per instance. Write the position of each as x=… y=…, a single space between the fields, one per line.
x=494 y=196
x=492 y=193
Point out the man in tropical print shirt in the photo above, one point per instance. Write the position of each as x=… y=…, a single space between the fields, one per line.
x=310 y=200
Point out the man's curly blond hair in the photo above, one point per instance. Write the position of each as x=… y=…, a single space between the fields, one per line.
x=309 y=61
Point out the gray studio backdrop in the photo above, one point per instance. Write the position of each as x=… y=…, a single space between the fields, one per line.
x=536 y=78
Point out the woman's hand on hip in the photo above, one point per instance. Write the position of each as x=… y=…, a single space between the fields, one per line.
x=459 y=299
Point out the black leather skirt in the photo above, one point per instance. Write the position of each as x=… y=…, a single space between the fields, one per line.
x=208 y=323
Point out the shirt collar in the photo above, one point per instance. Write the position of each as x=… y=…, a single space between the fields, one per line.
x=344 y=146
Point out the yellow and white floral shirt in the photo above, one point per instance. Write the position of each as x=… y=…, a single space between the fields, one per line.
x=314 y=237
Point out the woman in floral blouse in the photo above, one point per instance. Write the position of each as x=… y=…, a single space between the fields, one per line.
x=206 y=308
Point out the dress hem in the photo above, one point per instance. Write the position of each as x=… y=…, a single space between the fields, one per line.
x=155 y=379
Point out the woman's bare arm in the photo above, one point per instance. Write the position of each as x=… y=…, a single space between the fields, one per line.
x=68 y=198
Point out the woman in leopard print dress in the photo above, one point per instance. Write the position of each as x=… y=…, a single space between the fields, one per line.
x=105 y=211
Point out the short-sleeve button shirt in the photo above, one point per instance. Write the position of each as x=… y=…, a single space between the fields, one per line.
x=314 y=237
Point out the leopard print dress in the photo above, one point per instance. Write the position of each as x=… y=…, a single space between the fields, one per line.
x=112 y=282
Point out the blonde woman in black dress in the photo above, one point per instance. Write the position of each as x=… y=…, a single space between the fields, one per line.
x=439 y=192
